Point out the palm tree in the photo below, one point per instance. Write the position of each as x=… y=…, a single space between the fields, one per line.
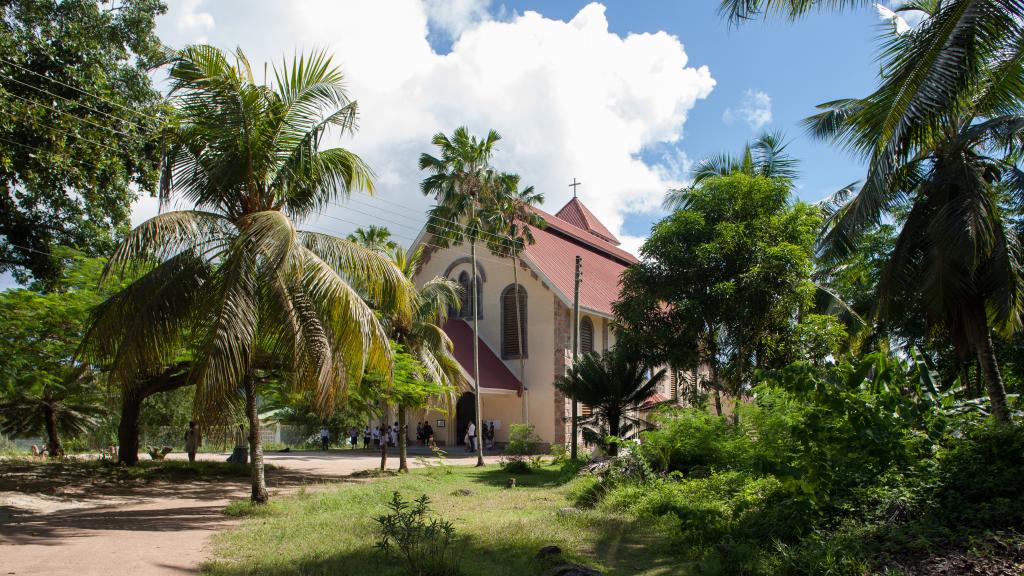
x=374 y=237
x=766 y=156
x=946 y=176
x=421 y=335
x=512 y=218
x=462 y=182
x=67 y=408
x=613 y=383
x=232 y=280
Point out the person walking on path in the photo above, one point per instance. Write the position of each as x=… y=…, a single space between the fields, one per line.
x=471 y=433
x=192 y=441
x=325 y=437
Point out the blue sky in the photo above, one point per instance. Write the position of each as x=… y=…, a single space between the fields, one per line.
x=798 y=65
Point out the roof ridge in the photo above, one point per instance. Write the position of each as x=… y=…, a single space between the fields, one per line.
x=575 y=212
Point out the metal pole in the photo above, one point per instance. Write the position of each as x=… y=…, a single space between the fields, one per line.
x=476 y=349
x=576 y=349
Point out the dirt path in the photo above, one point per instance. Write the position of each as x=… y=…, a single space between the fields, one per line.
x=155 y=530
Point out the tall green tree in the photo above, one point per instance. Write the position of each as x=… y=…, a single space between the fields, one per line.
x=464 y=185
x=375 y=238
x=944 y=162
x=43 y=389
x=232 y=280
x=722 y=281
x=615 y=384
x=766 y=157
x=78 y=115
x=436 y=374
x=511 y=219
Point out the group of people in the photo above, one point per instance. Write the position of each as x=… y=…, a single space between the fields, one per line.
x=373 y=436
x=425 y=434
x=487 y=433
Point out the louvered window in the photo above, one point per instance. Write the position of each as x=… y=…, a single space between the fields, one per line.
x=586 y=336
x=509 y=322
x=467 y=300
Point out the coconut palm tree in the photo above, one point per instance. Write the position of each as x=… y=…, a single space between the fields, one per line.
x=947 y=177
x=766 y=156
x=613 y=383
x=375 y=238
x=511 y=218
x=421 y=335
x=462 y=183
x=233 y=280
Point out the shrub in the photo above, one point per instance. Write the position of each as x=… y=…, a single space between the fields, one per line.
x=522 y=441
x=981 y=479
x=695 y=443
x=427 y=546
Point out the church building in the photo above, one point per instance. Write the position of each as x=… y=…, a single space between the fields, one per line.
x=518 y=385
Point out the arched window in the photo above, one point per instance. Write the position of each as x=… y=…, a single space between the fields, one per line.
x=509 y=323
x=467 y=301
x=586 y=336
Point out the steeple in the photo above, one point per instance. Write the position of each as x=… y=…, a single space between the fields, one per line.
x=575 y=213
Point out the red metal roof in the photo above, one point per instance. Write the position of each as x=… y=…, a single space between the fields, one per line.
x=578 y=215
x=493 y=372
x=654 y=400
x=554 y=256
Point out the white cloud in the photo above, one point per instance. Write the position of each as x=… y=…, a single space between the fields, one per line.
x=755 y=109
x=571 y=99
x=192 y=23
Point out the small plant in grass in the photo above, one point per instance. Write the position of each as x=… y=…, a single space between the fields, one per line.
x=428 y=546
x=520 y=452
x=440 y=466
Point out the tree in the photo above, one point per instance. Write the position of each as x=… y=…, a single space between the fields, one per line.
x=613 y=383
x=463 y=184
x=947 y=175
x=722 y=281
x=78 y=116
x=436 y=372
x=232 y=281
x=511 y=219
x=42 y=388
x=765 y=157
x=375 y=238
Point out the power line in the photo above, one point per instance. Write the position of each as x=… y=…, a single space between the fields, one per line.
x=83 y=119
x=2 y=139
x=77 y=103
x=112 y=103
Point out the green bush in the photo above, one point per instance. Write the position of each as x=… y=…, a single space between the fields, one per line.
x=522 y=440
x=695 y=443
x=981 y=479
x=426 y=546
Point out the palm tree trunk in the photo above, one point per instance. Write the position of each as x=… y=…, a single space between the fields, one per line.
x=128 y=429
x=403 y=429
x=993 y=380
x=383 y=452
x=718 y=403
x=519 y=337
x=53 y=445
x=259 y=483
x=614 y=420
x=476 y=355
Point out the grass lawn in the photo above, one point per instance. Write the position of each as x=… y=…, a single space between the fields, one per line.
x=332 y=531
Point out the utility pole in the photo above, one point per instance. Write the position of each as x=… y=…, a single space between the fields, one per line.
x=576 y=348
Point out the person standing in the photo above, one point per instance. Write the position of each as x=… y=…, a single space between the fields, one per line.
x=325 y=437
x=366 y=437
x=240 y=455
x=376 y=436
x=192 y=441
x=353 y=434
x=471 y=433
x=428 y=433
x=419 y=433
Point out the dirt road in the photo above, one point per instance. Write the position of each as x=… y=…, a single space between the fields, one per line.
x=155 y=530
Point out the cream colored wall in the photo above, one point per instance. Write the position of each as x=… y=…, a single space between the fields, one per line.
x=540 y=336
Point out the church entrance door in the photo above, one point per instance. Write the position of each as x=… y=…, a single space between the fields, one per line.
x=465 y=412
